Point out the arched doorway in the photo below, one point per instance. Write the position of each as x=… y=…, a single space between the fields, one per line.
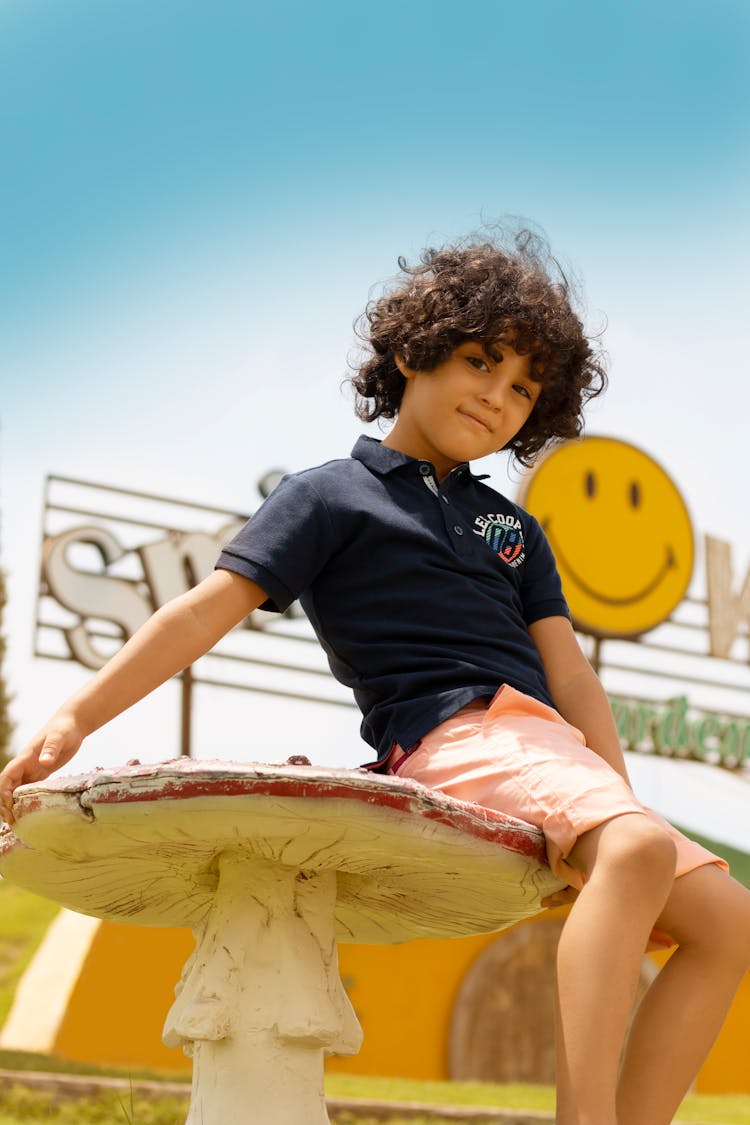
x=502 y=1026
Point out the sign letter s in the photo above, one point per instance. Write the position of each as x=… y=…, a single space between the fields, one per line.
x=92 y=595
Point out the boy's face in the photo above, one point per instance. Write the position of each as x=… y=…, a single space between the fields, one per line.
x=470 y=405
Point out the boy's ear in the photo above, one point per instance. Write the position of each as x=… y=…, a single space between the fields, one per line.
x=407 y=372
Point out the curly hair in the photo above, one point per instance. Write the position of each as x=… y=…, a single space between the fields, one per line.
x=485 y=293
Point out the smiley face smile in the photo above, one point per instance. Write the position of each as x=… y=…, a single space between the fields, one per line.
x=611 y=599
x=620 y=533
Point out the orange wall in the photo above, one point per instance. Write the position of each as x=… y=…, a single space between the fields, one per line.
x=117 y=1008
x=403 y=996
x=726 y=1069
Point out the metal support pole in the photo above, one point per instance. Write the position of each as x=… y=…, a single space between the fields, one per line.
x=187 y=712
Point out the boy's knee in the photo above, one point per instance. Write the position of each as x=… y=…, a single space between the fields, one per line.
x=634 y=846
x=644 y=850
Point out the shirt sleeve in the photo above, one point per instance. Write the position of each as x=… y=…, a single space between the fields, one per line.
x=541 y=588
x=283 y=547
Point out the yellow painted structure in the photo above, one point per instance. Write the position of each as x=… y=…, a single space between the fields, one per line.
x=404 y=996
x=619 y=530
x=726 y=1070
x=126 y=986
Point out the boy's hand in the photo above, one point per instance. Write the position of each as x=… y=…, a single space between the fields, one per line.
x=52 y=747
x=179 y=633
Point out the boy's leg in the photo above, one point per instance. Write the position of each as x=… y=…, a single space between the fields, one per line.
x=629 y=863
x=708 y=913
x=515 y=758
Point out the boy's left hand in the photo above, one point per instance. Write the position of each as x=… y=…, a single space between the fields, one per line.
x=53 y=746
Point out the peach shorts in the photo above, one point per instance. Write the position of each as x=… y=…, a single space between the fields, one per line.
x=521 y=757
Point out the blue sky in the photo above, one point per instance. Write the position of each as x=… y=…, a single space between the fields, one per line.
x=197 y=200
x=135 y=125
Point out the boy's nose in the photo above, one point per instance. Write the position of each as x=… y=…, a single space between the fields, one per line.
x=493 y=396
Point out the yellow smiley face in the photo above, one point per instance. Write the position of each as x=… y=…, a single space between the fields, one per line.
x=620 y=532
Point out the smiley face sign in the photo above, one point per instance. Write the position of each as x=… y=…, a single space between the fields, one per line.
x=620 y=532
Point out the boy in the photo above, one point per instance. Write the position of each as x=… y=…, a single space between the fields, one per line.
x=438 y=601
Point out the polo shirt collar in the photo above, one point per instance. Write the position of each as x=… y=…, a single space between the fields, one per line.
x=382 y=459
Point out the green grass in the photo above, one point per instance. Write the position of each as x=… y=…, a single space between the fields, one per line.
x=50 y=1064
x=713 y=1110
x=24 y=919
x=541 y=1098
x=716 y=1110
x=21 y=1106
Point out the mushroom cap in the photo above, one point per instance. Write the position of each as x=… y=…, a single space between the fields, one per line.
x=140 y=844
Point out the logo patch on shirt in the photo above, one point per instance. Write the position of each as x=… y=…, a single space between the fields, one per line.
x=503 y=535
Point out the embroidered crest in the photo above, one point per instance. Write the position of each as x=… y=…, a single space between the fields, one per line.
x=503 y=534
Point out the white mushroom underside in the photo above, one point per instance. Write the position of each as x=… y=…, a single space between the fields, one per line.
x=400 y=874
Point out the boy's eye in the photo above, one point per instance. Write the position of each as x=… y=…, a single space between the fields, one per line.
x=478 y=362
x=522 y=390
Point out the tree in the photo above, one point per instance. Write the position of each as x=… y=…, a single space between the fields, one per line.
x=6 y=723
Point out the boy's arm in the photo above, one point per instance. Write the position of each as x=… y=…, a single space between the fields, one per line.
x=177 y=634
x=576 y=689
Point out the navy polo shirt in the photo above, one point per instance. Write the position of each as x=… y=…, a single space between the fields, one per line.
x=420 y=593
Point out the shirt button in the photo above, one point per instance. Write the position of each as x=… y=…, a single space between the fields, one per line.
x=458 y=529
x=425 y=469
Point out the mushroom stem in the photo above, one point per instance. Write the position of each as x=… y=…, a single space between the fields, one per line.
x=260 y=1001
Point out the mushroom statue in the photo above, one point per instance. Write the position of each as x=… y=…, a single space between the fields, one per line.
x=270 y=865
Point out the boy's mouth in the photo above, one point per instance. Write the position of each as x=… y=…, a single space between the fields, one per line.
x=477 y=420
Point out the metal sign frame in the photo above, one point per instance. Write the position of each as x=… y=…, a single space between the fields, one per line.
x=109 y=546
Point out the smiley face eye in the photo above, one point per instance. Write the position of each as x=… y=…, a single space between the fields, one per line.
x=589 y=484
x=634 y=494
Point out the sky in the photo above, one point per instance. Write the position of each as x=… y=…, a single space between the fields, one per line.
x=199 y=199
